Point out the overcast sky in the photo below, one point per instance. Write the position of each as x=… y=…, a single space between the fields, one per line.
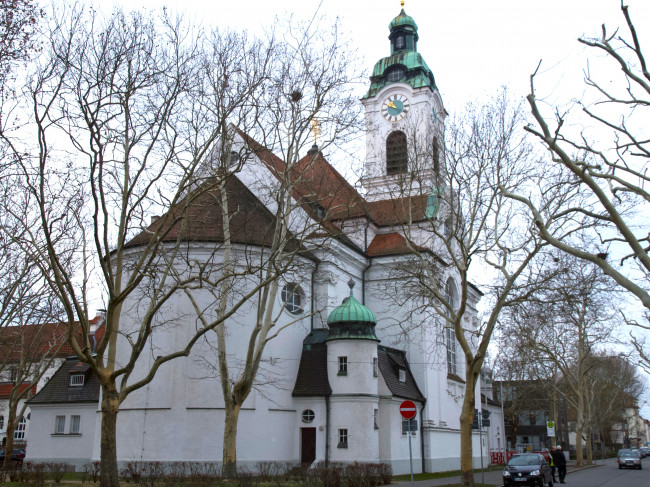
x=473 y=47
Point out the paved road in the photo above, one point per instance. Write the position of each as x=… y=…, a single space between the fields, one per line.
x=604 y=475
x=609 y=475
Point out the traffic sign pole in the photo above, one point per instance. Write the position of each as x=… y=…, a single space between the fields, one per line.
x=408 y=410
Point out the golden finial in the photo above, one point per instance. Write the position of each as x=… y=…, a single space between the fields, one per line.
x=315 y=128
x=401 y=2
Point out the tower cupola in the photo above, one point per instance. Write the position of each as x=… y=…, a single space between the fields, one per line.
x=351 y=320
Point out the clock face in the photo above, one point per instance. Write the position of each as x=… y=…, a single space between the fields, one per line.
x=395 y=108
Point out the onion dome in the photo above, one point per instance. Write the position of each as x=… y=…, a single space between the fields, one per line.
x=405 y=64
x=403 y=20
x=351 y=320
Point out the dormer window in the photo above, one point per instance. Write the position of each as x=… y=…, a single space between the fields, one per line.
x=402 y=375
x=396 y=74
x=77 y=379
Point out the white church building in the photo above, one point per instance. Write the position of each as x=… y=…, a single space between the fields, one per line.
x=342 y=369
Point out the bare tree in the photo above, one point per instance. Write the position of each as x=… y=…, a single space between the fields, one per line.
x=561 y=329
x=140 y=115
x=468 y=225
x=608 y=169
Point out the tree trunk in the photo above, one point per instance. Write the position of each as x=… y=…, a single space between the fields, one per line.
x=590 y=453
x=108 y=465
x=9 y=445
x=579 y=430
x=466 y=417
x=230 y=441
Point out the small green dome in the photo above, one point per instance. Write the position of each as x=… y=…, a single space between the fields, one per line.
x=403 y=20
x=351 y=311
x=351 y=321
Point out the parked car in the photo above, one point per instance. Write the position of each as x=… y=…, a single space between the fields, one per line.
x=17 y=456
x=527 y=469
x=645 y=451
x=629 y=459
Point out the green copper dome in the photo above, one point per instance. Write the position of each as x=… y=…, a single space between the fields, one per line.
x=351 y=310
x=351 y=320
x=405 y=64
x=403 y=20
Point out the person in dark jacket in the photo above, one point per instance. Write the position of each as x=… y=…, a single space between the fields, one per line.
x=560 y=463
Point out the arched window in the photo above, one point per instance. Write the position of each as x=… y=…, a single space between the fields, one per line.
x=450 y=334
x=396 y=153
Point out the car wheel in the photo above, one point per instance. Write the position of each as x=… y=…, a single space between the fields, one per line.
x=620 y=467
x=640 y=467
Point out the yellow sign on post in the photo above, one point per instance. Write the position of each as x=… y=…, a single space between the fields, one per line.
x=550 y=428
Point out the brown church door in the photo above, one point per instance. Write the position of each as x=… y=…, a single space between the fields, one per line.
x=307 y=445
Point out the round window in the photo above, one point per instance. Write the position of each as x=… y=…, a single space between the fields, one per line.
x=308 y=416
x=293 y=298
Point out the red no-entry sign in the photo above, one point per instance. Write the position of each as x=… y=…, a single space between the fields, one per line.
x=408 y=410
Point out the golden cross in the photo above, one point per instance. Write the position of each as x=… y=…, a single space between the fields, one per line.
x=315 y=128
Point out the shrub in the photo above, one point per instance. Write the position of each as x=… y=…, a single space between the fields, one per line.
x=91 y=470
x=57 y=470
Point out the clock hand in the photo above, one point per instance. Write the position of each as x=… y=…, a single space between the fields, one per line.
x=392 y=105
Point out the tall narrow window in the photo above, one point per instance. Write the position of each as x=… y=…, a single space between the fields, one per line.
x=343 y=438
x=75 y=424
x=2 y=423
x=402 y=375
x=59 y=425
x=375 y=367
x=396 y=153
x=400 y=42
x=450 y=334
x=343 y=366
x=436 y=159
x=375 y=418
x=19 y=432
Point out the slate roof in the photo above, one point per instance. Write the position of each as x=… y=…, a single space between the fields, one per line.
x=312 y=373
x=391 y=361
x=58 y=390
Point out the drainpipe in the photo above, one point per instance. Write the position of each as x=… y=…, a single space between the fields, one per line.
x=327 y=431
x=313 y=296
x=422 y=437
x=363 y=274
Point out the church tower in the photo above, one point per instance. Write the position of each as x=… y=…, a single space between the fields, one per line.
x=404 y=120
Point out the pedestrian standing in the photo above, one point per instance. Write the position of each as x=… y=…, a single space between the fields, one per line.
x=560 y=463
x=551 y=462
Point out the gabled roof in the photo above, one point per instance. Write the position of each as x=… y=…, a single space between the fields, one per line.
x=391 y=361
x=58 y=389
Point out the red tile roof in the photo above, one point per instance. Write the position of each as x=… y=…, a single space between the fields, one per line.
x=389 y=244
x=5 y=389
x=40 y=339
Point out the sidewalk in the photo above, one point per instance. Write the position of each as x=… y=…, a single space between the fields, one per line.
x=491 y=478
